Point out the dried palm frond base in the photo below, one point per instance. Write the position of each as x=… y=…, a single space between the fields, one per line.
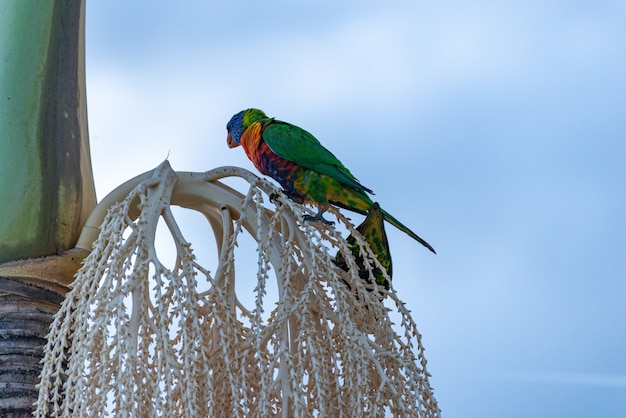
x=135 y=338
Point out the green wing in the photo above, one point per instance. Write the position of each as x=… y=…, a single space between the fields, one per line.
x=299 y=146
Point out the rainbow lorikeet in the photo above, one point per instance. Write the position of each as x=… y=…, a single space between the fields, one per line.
x=307 y=171
x=373 y=230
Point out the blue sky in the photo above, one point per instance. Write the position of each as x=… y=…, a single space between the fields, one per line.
x=496 y=130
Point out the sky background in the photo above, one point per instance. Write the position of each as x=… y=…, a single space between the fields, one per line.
x=495 y=130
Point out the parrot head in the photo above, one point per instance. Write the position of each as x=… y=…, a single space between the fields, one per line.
x=239 y=123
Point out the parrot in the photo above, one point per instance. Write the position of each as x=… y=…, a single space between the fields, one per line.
x=373 y=230
x=307 y=171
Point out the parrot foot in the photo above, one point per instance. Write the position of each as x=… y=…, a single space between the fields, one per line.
x=318 y=217
x=275 y=198
x=296 y=198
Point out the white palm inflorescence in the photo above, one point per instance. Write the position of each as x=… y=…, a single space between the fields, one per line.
x=136 y=338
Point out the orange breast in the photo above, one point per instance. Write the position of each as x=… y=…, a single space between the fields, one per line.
x=250 y=140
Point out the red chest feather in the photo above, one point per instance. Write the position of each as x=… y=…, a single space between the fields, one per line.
x=263 y=157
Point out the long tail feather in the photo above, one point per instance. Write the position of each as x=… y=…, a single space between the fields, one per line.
x=393 y=221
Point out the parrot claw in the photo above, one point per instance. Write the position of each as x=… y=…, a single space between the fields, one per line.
x=318 y=217
x=275 y=198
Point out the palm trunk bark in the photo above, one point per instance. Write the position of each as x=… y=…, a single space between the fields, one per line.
x=24 y=322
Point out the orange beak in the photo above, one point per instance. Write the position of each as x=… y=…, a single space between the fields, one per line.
x=230 y=142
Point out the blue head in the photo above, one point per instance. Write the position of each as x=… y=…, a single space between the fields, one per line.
x=239 y=123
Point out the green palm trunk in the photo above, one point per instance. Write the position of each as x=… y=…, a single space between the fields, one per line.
x=46 y=183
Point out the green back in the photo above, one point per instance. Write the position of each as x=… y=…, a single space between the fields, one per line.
x=299 y=146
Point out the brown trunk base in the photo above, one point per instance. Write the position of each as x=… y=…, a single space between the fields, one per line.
x=24 y=324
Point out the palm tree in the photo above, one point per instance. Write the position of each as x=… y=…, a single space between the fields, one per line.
x=46 y=183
